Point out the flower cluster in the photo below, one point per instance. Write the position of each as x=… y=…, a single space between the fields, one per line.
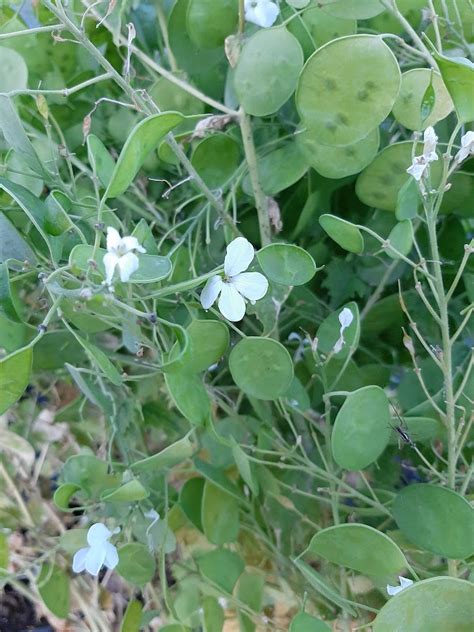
x=420 y=165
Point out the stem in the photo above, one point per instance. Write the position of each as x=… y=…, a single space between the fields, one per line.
x=260 y=198
x=64 y=92
x=38 y=29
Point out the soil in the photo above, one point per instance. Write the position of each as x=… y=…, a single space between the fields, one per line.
x=17 y=613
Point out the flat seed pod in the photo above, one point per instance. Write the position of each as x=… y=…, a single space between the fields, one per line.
x=358 y=9
x=338 y=162
x=407 y=108
x=378 y=185
x=267 y=72
x=325 y=27
x=438 y=604
x=348 y=87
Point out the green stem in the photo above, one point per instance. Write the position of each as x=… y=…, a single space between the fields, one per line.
x=260 y=198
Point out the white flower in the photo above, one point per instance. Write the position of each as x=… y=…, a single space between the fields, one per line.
x=99 y=552
x=236 y=284
x=261 y=12
x=404 y=583
x=345 y=319
x=420 y=163
x=467 y=147
x=120 y=253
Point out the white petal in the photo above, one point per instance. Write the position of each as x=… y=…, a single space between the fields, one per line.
x=429 y=148
x=127 y=264
x=111 y=556
x=346 y=317
x=95 y=558
x=132 y=243
x=231 y=303
x=110 y=260
x=393 y=590
x=113 y=238
x=240 y=254
x=405 y=582
x=211 y=291
x=98 y=534
x=79 y=560
x=339 y=344
x=261 y=12
x=252 y=285
x=468 y=140
x=418 y=167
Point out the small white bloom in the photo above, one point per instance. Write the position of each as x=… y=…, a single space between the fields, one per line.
x=223 y=602
x=261 y=12
x=120 y=253
x=467 y=147
x=345 y=319
x=100 y=551
x=421 y=163
x=404 y=583
x=237 y=284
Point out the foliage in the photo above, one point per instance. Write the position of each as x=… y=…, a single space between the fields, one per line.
x=236 y=297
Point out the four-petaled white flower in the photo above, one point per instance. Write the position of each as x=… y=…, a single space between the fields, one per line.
x=100 y=551
x=421 y=163
x=237 y=285
x=467 y=147
x=120 y=252
x=404 y=583
x=261 y=12
x=345 y=319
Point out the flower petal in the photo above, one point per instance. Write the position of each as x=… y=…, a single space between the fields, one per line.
x=405 y=582
x=252 y=285
x=393 y=590
x=79 y=560
x=127 y=264
x=231 y=303
x=111 y=556
x=429 y=147
x=418 y=167
x=95 y=558
x=261 y=12
x=240 y=254
x=211 y=291
x=98 y=534
x=132 y=243
x=346 y=317
x=110 y=260
x=113 y=238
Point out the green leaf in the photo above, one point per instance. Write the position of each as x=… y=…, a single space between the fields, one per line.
x=436 y=519
x=358 y=9
x=14 y=70
x=100 y=160
x=190 y=500
x=132 y=619
x=304 y=622
x=172 y=455
x=216 y=158
x=261 y=367
x=216 y=475
x=362 y=428
x=264 y=87
x=90 y=389
x=286 y=264
x=12 y=244
x=88 y=472
x=209 y=22
x=219 y=515
x=15 y=372
x=7 y=305
x=329 y=333
x=152 y=268
x=100 y=360
x=438 y=604
x=136 y=565
x=250 y=592
x=15 y=445
x=213 y=615
x=73 y=540
x=4 y=553
x=408 y=200
x=279 y=169
x=143 y=138
x=15 y=136
x=458 y=77
x=423 y=99
x=190 y=396
x=420 y=429
x=222 y=568
x=359 y=547
x=132 y=491
x=345 y=234
x=245 y=468
x=347 y=88
x=63 y=495
x=207 y=342
x=401 y=238
x=53 y=586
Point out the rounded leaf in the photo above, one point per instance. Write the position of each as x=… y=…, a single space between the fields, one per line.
x=222 y=568
x=286 y=264
x=261 y=367
x=14 y=75
x=436 y=519
x=438 y=604
x=345 y=234
x=15 y=370
x=360 y=547
x=219 y=515
x=329 y=332
x=207 y=342
x=362 y=428
x=347 y=88
x=401 y=238
x=136 y=565
x=209 y=22
x=190 y=396
x=304 y=622
x=267 y=71
x=279 y=169
x=338 y=162
x=408 y=106
x=358 y=9
x=215 y=159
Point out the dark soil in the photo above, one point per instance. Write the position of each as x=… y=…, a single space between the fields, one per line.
x=17 y=613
